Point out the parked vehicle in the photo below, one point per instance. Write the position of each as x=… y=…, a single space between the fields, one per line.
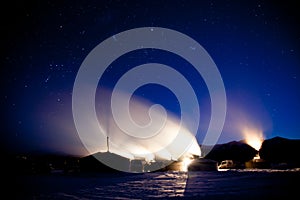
x=227 y=164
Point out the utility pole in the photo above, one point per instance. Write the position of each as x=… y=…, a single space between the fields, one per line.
x=107 y=141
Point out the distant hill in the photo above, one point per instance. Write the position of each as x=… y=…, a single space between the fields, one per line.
x=281 y=150
x=235 y=150
x=276 y=151
x=95 y=162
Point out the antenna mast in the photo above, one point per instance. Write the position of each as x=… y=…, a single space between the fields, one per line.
x=107 y=141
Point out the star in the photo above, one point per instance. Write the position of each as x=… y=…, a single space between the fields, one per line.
x=47 y=79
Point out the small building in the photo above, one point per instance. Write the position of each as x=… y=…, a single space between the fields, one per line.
x=257 y=162
x=202 y=164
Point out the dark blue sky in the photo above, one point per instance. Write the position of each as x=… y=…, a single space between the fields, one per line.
x=255 y=45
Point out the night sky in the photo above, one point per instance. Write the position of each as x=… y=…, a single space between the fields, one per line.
x=255 y=45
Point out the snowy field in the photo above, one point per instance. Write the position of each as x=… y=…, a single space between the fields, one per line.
x=231 y=184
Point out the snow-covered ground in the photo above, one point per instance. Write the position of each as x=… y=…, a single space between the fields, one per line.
x=231 y=184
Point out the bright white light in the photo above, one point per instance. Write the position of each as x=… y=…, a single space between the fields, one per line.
x=168 y=144
x=254 y=137
x=185 y=163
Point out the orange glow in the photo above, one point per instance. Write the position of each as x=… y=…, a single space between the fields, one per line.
x=185 y=163
x=254 y=137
